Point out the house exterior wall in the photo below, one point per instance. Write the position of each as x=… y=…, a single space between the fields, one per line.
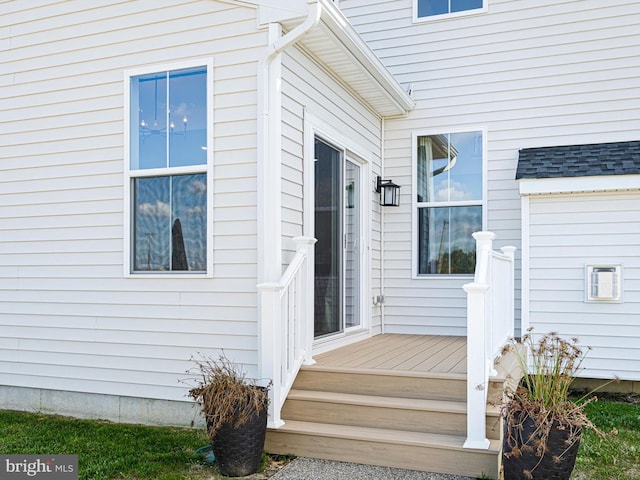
x=69 y=318
x=537 y=74
x=310 y=91
x=567 y=232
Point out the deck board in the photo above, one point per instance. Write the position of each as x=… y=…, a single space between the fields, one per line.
x=387 y=357
x=409 y=353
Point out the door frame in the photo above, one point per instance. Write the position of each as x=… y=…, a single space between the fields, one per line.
x=352 y=151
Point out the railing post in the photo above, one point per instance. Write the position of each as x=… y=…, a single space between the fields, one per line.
x=306 y=323
x=484 y=242
x=476 y=367
x=484 y=246
x=490 y=316
x=270 y=348
x=477 y=325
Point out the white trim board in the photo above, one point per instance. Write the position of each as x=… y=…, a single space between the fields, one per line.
x=358 y=154
x=541 y=186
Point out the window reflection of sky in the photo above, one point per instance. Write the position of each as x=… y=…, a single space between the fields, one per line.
x=159 y=202
x=464 y=180
x=440 y=7
x=177 y=132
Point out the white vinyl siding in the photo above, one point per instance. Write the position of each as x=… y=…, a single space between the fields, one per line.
x=68 y=318
x=568 y=232
x=536 y=74
x=309 y=89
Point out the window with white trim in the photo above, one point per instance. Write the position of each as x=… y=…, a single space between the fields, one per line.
x=449 y=189
x=168 y=170
x=427 y=9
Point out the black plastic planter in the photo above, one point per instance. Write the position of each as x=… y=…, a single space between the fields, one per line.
x=556 y=464
x=238 y=451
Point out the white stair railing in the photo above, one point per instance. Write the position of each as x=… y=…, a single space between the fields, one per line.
x=286 y=310
x=490 y=324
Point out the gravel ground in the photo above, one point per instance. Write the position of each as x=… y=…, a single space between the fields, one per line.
x=311 y=469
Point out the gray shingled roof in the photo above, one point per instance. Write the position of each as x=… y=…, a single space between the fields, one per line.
x=619 y=158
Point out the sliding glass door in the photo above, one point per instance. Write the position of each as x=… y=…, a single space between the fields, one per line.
x=338 y=250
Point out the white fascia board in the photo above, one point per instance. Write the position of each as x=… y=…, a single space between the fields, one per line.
x=274 y=11
x=339 y=26
x=541 y=186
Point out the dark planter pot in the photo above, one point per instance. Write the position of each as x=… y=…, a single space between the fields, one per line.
x=556 y=464
x=238 y=451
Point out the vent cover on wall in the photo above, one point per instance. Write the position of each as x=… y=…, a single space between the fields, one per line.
x=603 y=283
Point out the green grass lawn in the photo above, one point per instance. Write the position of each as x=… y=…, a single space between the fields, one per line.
x=616 y=457
x=108 y=451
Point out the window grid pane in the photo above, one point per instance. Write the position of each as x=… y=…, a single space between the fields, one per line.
x=189 y=223
x=187 y=117
x=168 y=120
x=464 y=5
x=449 y=168
x=170 y=223
x=445 y=241
x=427 y=8
x=152 y=204
x=149 y=127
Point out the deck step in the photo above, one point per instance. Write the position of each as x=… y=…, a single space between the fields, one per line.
x=385 y=447
x=409 y=414
x=354 y=407
x=383 y=383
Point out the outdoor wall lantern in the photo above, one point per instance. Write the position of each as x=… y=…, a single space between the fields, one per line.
x=389 y=193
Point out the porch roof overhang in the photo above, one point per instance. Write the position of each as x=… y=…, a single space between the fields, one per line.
x=579 y=168
x=336 y=44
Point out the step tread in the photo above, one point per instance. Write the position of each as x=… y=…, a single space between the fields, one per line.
x=446 y=406
x=383 y=372
x=400 y=437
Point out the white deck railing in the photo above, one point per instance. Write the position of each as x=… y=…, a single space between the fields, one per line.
x=285 y=339
x=490 y=324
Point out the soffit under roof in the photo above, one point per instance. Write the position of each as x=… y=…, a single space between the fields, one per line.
x=336 y=44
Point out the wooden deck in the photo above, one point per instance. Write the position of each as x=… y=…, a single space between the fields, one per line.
x=391 y=400
x=401 y=353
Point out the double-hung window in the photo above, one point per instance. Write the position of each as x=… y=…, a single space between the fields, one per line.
x=168 y=174
x=448 y=173
x=432 y=9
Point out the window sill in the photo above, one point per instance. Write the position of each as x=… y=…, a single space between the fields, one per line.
x=173 y=276
x=449 y=276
